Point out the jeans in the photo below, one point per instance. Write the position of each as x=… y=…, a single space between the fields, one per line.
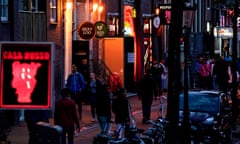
x=104 y=124
x=70 y=135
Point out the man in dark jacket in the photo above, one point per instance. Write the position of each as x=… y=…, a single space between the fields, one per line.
x=103 y=108
x=120 y=108
x=65 y=115
x=146 y=92
x=76 y=85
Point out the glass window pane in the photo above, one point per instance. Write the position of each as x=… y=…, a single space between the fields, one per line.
x=53 y=7
x=4 y=10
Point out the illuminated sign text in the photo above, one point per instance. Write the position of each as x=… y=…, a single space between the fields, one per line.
x=26 y=75
x=17 y=55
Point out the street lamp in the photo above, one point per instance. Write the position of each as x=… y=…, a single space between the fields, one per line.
x=188 y=17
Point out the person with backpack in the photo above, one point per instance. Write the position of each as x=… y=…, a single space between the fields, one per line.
x=120 y=107
x=103 y=108
x=65 y=115
x=76 y=84
x=157 y=70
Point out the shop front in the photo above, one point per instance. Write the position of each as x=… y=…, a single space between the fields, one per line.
x=223 y=41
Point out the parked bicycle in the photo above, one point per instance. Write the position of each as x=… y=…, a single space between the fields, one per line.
x=157 y=131
x=132 y=135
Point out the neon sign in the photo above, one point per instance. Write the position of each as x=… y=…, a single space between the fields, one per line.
x=17 y=55
x=26 y=72
x=24 y=80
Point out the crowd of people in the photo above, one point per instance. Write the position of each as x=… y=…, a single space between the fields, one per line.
x=216 y=73
x=107 y=100
x=110 y=98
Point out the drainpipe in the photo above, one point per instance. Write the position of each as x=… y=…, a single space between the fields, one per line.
x=68 y=37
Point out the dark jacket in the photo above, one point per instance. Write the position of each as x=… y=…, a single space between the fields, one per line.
x=120 y=108
x=65 y=113
x=103 y=103
x=75 y=82
x=146 y=87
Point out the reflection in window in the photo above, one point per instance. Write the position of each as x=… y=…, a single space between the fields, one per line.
x=4 y=10
x=29 y=5
x=113 y=26
x=200 y=102
x=53 y=8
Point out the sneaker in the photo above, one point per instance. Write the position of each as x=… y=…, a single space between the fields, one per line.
x=76 y=134
x=93 y=120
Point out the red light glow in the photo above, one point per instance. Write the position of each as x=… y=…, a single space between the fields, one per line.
x=128 y=21
x=17 y=55
x=24 y=80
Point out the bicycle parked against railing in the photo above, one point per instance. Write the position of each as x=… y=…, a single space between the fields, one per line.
x=132 y=135
x=157 y=131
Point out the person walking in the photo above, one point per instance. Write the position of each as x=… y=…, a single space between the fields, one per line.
x=103 y=108
x=120 y=107
x=83 y=68
x=93 y=88
x=65 y=115
x=205 y=74
x=157 y=71
x=164 y=77
x=221 y=72
x=76 y=85
x=145 y=93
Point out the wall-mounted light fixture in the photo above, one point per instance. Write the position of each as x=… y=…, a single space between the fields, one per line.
x=208 y=27
x=157 y=11
x=96 y=7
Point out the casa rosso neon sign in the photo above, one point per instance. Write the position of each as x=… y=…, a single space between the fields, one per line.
x=25 y=75
x=17 y=55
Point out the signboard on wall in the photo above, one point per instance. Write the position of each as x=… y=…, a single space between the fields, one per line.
x=165 y=14
x=101 y=29
x=86 y=30
x=26 y=79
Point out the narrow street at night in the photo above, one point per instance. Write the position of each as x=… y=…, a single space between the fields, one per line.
x=19 y=133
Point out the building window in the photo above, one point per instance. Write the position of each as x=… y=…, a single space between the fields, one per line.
x=32 y=5
x=53 y=8
x=113 y=25
x=4 y=10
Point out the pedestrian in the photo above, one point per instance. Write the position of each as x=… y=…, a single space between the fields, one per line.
x=76 y=85
x=145 y=92
x=197 y=72
x=83 y=68
x=164 y=77
x=120 y=107
x=32 y=117
x=103 y=108
x=115 y=82
x=205 y=74
x=213 y=74
x=65 y=115
x=93 y=88
x=157 y=71
x=221 y=72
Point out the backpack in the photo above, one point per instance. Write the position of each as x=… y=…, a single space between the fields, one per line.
x=157 y=69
